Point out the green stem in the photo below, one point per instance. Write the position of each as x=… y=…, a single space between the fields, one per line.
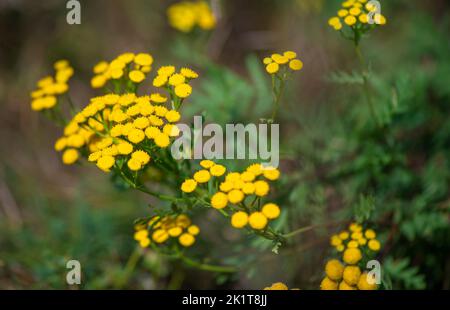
x=129 y=268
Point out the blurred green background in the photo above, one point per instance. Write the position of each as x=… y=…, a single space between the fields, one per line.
x=337 y=164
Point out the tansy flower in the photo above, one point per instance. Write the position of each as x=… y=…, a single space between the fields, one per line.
x=351 y=275
x=186 y=240
x=193 y=230
x=239 y=219
x=70 y=156
x=271 y=173
x=328 y=284
x=271 y=211
x=183 y=90
x=202 y=176
x=105 y=163
x=334 y=270
x=261 y=188
x=162 y=140
x=189 y=186
x=352 y=256
x=278 y=286
x=374 y=245
x=141 y=156
x=219 y=200
x=188 y=73
x=160 y=236
x=207 y=163
x=363 y=283
x=136 y=76
x=343 y=286
x=257 y=220
x=235 y=196
x=217 y=170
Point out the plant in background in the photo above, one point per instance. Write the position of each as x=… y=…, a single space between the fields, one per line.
x=186 y=15
x=358 y=246
x=280 y=68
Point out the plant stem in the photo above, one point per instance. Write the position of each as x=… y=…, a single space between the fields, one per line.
x=366 y=83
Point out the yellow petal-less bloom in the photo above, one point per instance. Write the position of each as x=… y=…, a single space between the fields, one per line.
x=160 y=236
x=175 y=231
x=183 y=90
x=125 y=148
x=350 y=20
x=202 y=176
x=272 y=68
x=257 y=220
x=186 y=240
x=162 y=140
x=173 y=116
x=235 y=196
x=134 y=164
x=188 y=73
x=327 y=284
x=351 y=275
x=193 y=230
x=271 y=211
x=226 y=186
x=70 y=156
x=217 y=170
x=136 y=76
x=352 y=256
x=271 y=173
x=261 y=188
x=177 y=79
x=374 y=245
x=290 y=55
x=363 y=283
x=189 y=186
x=248 y=188
x=141 y=156
x=343 y=286
x=334 y=270
x=370 y=234
x=239 y=219
x=219 y=200
x=296 y=64
x=143 y=59
x=278 y=286
x=105 y=163
x=206 y=163
x=136 y=135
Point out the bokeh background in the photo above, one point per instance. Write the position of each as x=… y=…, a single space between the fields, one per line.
x=335 y=162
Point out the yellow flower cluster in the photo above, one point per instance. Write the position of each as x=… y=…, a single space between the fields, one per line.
x=278 y=62
x=185 y=15
x=161 y=229
x=235 y=188
x=278 y=286
x=176 y=82
x=127 y=65
x=355 y=14
x=120 y=129
x=348 y=276
x=49 y=87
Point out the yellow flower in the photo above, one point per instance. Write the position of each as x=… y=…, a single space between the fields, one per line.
x=219 y=200
x=247 y=176
x=160 y=235
x=173 y=116
x=374 y=245
x=328 y=284
x=363 y=283
x=352 y=256
x=186 y=240
x=248 y=188
x=272 y=68
x=235 y=196
x=355 y=11
x=136 y=76
x=144 y=242
x=296 y=64
x=188 y=73
x=141 y=156
x=193 y=230
x=70 y=156
x=342 y=13
x=351 y=275
x=257 y=220
x=140 y=234
x=256 y=169
x=183 y=90
x=333 y=21
x=239 y=219
x=278 y=286
x=334 y=269
x=134 y=164
x=267 y=60
x=271 y=211
x=166 y=70
x=176 y=79
x=158 y=98
x=353 y=244
x=271 y=173
x=290 y=54
x=350 y=20
x=162 y=140
x=143 y=59
x=141 y=122
x=60 y=144
x=279 y=59
x=98 y=81
x=226 y=186
x=217 y=170
x=344 y=235
x=160 y=80
x=94 y=156
x=261 y=188
x=380 y=19
x=136 y=135
x=152 y=132
x=370 y=234
x=124 y=148
x=100 y=67
x=202 y=176
x=343 y=286
x=207 y=163
x=175 y=231
x=105 y=162
x=189 y=186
